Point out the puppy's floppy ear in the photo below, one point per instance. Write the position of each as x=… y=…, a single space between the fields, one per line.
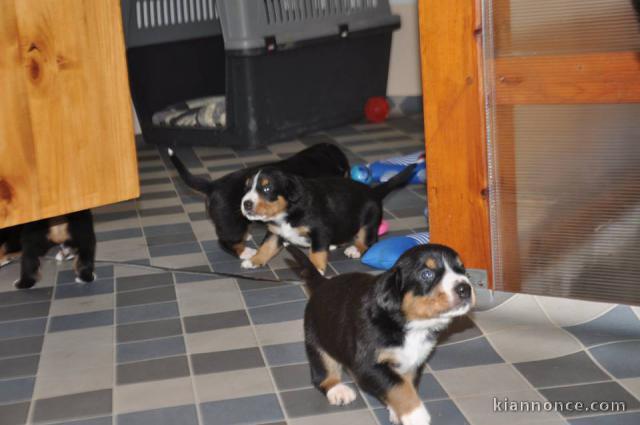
x=294 y=189
x=390 y=290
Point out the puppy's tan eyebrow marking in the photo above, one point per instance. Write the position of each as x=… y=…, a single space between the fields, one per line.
x=431 y=263
x=264 y=181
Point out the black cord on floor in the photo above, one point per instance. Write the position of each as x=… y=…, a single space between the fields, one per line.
x=169 y=269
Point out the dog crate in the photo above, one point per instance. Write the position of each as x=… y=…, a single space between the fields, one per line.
x=246 y=73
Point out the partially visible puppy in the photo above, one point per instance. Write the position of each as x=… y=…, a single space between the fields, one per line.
x=382 y=328
x=73 y=231
x=316 y=213
x=224 y=194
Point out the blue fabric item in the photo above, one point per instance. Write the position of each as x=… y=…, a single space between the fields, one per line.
x=384 y=254
x=381 y=171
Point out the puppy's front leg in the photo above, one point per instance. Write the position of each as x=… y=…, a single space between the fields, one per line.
x=271 y=245
x=397 y=392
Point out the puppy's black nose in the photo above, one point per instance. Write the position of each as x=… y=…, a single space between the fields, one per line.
x=463 y=290
x=248 y=205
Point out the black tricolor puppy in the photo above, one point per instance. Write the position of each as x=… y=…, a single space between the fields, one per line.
x=382 y=328
x=224 y=194
x=316 y=213
x=73 y=231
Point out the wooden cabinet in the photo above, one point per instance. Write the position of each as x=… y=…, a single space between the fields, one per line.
x=66 y=131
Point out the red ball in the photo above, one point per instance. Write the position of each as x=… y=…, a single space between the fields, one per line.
x=376 y=109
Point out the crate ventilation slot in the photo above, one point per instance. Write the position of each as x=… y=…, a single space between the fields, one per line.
x=164 y=13
x=282 y=11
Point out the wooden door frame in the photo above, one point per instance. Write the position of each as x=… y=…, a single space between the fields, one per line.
x=454 y=116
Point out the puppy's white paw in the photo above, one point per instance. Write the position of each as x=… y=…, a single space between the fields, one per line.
x=64 y=254
x=340 y=395
x=247 y=253
x=333 y=247
x=419 y=416
x=78 y=280
x=393 y=418
x=248 y=237
x=248 y=264
x=322 y=272
x=4 y=262
x=352 y=252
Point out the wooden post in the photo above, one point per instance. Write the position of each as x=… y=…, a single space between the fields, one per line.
x=457 y=181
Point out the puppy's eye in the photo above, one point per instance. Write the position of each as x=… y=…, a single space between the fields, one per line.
x=427 y=274
x=266 y=189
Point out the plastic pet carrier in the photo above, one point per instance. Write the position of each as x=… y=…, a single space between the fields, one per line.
x=245 y=73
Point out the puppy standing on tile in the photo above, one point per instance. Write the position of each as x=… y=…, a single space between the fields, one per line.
x=224 y=194
x=315 y=213
x=73 y=232
x=382 y=328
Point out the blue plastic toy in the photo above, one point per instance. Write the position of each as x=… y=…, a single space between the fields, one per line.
x=384 y=254
x=381 y=171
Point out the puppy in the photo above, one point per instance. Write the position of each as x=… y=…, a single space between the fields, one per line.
x=315 y=213
x=73 y=231
x=382 y=328
x=224 y=194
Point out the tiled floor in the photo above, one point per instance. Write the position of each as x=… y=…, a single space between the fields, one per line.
x=141 y=347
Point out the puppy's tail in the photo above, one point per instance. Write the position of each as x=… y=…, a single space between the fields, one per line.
x=309 y=274
x=395 y=182
x=196 y=183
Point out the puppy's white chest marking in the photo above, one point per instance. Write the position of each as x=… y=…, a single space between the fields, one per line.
x=418 y=344
x=295 y=235
x=415 y=350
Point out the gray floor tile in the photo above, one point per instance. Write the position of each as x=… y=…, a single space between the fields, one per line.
x=22 y=328
x=224 y=361
x=146 y=296
x=114 y=216
x=73 y=290
x=468 y=353
x=149 y=212
x=145 y=350
x=182 y=415
x=143 y=281
x=175 y=238
x=278 y=313
x=148 y=330
x=154 y=180
x=619 y=324
x=22 y=297
x=167 y=229
x=587 y=393
x=174 y=249
x=572 y=369
x=631 y=418
x=14 y=390
x=460 y=329
x=282 y=354
x=28 y=311
x=621 y=359
x=309 y=402
x=112 y=235
x=443 y=412
x=250 y=410
x=81 y=320
x=21 y=346
x=248 y=285
x=152 y=370
x=292 y=377
x=157 y=195
x=69 y=276
x=146 y=312
x=209 y=322
x=14 y=414
x=104 y=420
x=15 y=367
x=273 y=296
x=72 y=406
